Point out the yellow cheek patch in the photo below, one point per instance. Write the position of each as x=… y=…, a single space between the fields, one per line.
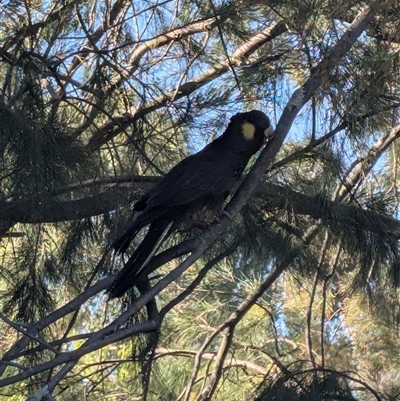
x=248 y=131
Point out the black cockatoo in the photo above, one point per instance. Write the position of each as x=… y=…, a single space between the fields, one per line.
x=202 y=180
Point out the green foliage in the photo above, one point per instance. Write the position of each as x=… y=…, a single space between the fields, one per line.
x=37 y=158
x=296 y=300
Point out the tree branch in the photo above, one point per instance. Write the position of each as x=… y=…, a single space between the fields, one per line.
x=363 y=165
x=119 y=124
x=210 y=356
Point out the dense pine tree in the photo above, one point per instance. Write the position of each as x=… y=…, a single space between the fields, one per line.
x=296 y=296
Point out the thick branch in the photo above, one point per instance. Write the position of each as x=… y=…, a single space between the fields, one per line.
x=273 y=196
x=119 y=124
x=331 y=212
x=52 y=211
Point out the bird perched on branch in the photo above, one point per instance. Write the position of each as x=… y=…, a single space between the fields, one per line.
x=202 y=180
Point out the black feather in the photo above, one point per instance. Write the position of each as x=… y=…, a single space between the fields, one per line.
x=203 y=179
